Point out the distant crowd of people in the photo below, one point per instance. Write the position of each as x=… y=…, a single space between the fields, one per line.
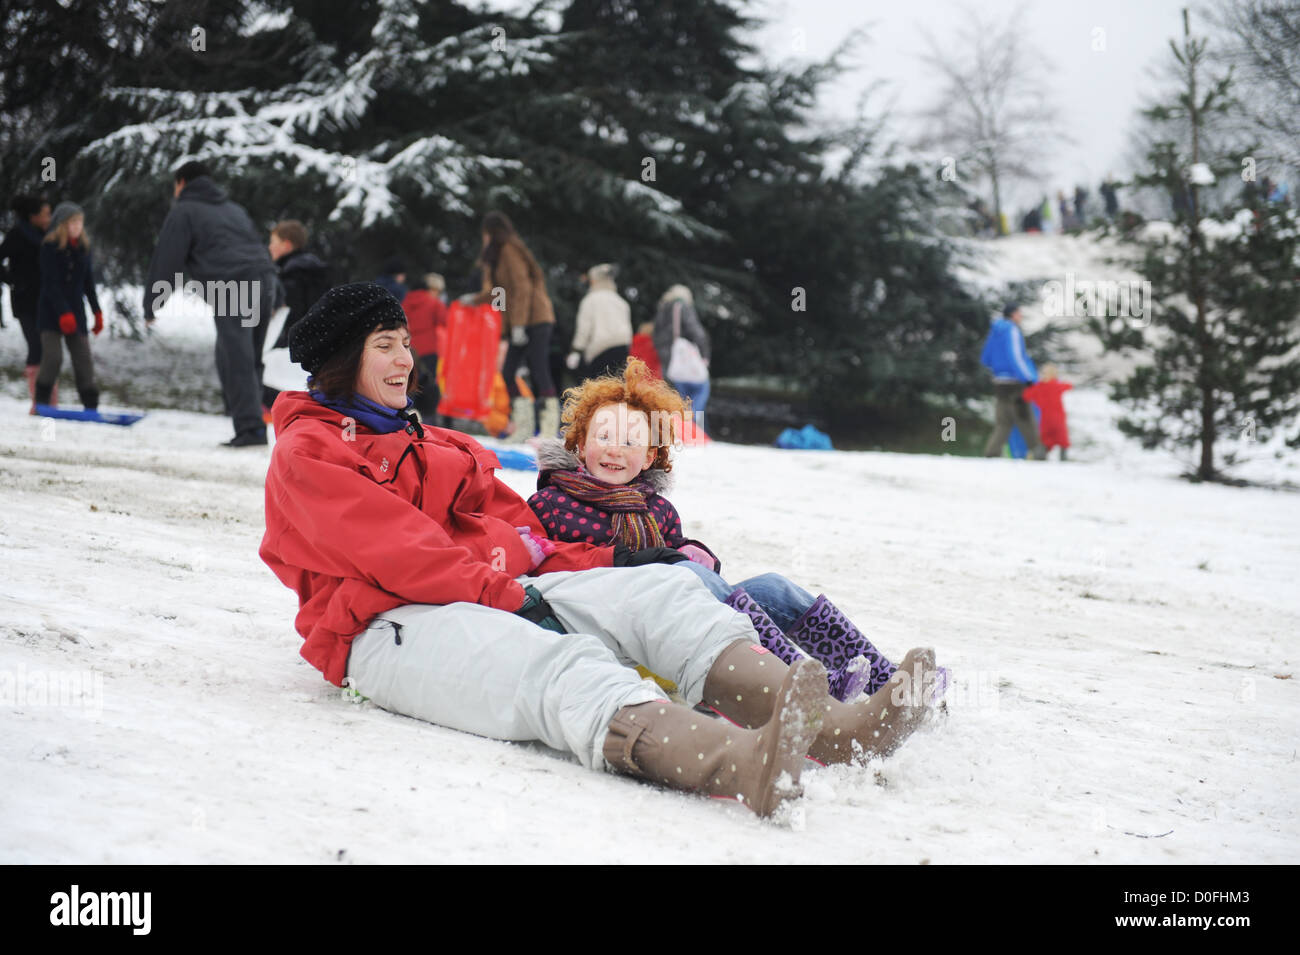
x=1070 y=213
x=210 y=239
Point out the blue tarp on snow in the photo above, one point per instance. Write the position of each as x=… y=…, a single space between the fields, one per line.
x=806 y=438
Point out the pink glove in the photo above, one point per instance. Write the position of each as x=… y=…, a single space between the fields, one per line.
x=539 y=547
x=67 y=323
x=699 y=555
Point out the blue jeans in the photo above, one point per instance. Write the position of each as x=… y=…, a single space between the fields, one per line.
x=699 y=395
x=785 y=602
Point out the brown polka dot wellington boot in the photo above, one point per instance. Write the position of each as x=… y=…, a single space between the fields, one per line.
x=674 y=745
x=741 y=683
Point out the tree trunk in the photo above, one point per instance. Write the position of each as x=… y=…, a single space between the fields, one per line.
x=997 y=200
x=1204 y=347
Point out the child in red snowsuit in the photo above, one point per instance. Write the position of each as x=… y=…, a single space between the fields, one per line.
x=1047 y=393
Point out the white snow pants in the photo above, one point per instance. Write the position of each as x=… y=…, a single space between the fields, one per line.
x=495 y=674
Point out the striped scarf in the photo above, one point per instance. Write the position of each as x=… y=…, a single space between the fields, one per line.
x=632 y=521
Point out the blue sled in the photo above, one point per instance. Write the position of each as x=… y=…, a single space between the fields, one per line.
x=515 y=460
x=122 y=418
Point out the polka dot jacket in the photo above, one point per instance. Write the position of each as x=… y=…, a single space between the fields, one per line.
x=566 y=518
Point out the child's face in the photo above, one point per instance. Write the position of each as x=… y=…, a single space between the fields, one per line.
x=617 y=448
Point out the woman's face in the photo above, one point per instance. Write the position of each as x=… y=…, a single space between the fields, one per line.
x=386 y=365
x=617 y=448
x=75 y=226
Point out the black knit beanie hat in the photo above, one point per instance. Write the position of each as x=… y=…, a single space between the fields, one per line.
x=342 y=315
x=1010 y=309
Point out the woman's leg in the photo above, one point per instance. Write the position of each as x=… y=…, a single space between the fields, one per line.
x=83 y=371
x=514 y=358
x=539 y=359
x=698 y=394
x=656 y=616
x=51 y=363
x=494 y=674
x=32 y=335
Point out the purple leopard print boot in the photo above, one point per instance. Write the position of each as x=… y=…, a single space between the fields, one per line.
x=845 y=681
x=830 y=637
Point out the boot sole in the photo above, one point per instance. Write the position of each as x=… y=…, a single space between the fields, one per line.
x=797 y=716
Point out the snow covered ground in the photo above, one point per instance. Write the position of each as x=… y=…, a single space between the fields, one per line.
x=1124 y=646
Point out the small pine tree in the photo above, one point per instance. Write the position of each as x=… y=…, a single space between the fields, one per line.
x=1220 y=343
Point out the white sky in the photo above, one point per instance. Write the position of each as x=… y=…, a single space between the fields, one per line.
x=1097 y=92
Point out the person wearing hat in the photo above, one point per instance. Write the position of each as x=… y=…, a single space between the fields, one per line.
x=67 y=282
x=430 y=586
x=211 y=240
x=603 y=333
x=1005 y=356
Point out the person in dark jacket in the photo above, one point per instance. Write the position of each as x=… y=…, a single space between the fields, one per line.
x=67 y=280
x=393 y=279
x=20 y=259
x=304 y=278
x=213 y=241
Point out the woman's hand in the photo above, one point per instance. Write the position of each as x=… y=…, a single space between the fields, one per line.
x=537 y=610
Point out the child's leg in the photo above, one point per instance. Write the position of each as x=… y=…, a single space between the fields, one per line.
x=830 y=637
x=717 y=586
x=784 y=601
x=843 y=683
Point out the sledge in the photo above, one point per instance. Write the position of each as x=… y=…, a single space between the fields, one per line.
x=515 y=460
x=466 y=371
x=124 y=418
x=279 y=371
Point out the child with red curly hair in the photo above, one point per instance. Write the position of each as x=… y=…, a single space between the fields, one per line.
x=605 y=483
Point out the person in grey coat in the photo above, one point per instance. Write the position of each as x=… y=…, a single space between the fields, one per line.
x=209 y=239
x=677 y=309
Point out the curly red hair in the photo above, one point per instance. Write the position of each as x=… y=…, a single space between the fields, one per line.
x=640 y=391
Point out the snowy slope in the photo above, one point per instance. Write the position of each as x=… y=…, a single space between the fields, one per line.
x=1123 y=643
x=1124 y=646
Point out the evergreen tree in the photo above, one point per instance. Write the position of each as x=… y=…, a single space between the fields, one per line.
x=1222 y=355
x=635 y=132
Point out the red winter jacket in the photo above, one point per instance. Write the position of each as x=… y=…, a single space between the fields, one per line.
x=359 y=523
x=426 y=317
x=1047 y=395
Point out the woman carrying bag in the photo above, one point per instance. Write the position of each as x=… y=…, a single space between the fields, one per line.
x=683 y=346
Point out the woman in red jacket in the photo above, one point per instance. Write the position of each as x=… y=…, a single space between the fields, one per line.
x=429 y=585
